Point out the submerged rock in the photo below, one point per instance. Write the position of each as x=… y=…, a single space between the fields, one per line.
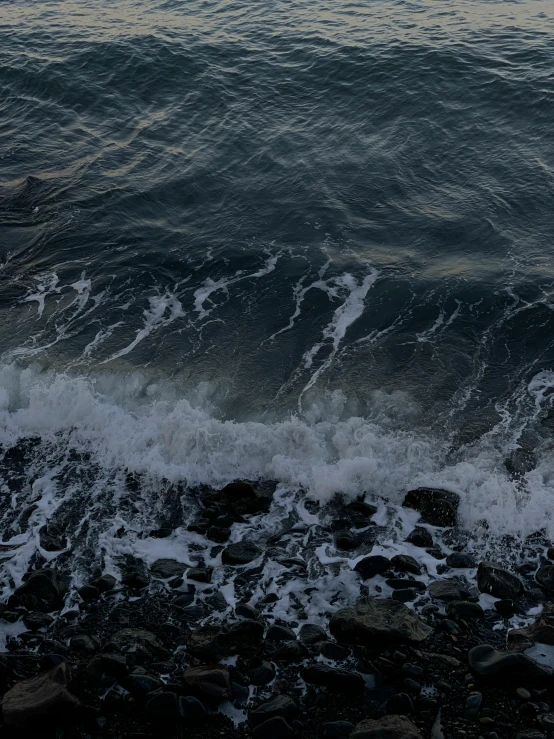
x=390 y=727
x=376 y=622
x=42 y=699
x=437 y=507
x=497 y=581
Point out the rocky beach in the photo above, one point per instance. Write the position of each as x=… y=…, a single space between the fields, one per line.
x=427 y=639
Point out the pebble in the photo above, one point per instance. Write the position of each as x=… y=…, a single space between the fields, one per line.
x=523 y=694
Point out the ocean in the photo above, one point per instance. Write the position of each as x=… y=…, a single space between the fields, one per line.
x=305 y=242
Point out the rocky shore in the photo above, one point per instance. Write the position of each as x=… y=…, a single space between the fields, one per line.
x=159 y=651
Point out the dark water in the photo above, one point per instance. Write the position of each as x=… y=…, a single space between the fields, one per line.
x=328 y=222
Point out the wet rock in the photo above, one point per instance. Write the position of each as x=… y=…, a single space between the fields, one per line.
x=333 y=651
x=311 y=634
x=488 y=661
x=546 y=720
x=405 y=595
x=437 y=507
x=261 y=673
x=520 y=462
x=473 y=704
x=41 y=700
x=114 y=664
x=523 y=694
x=405 y=563
x=243 y=498
x=47 y=587
x=219 y=534
x=505 y=607
x=89 y=593
x=280 y=633
x=167 y=568
x=84 y=643
x=346 y=540
x=183 y=600
x=273 y=728
x=208 y=681
x=529 y=734
x=194 y=712
x=371 y=566
x=390 y=727
x=140 y=685
x=52 y=538
x=542 y=630
x=458 y=560
x=400 y=704
x=291 y=651
x=498 y=582
x=205 y=643
x=336 y=729
x=244 y=610
x=400 y=584
x=243 y=634
x=545 y=577
x=448 y=590
x=333 y=678
x=460 y=609
x=105 y=583
x=142 y=643
x=36 y=621
x=164 y=708
x=281 y=705
x=374 y=620
x=217 y=602
x=200 y=574
x=240 y=553
x=420 y=537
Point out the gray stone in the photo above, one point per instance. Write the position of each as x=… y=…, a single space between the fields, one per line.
x=405 y=563
x=209 y=681
x=448 y=590
x=390 y=727
x=371 y=566
x=458 y=560
x=437 y=507
x=281 y=705
x=240 y=553
x=378 y=621
x=167 y=568
x=333 y=678
x=488 y=661
x=498 y=582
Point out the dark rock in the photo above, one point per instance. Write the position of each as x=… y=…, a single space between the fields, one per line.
x=520 y=462
x=333 y=651
x=183 y=600
x=412 y=685
x=373 y=620
x=281 y=705
x=114 y=664
x=143 y=644
x=205 y=643
x=209 y=681
x=41 y=700
x=371 y=566
x=498 y=582
x=36 y=621
x=290 y=651
x=273 y=728
x=529 y=734
x=448 y=590
x=390 y=727
x=346 y=540
x=405 y=563
x=89 y=593
x=194 y=712
x=458 y=560
x=244 y=634
x=420 y=537
x=311 y=634
x=219 y=534
x=140 y=685
x=336 y=729
x=162 y=533
x=262 y=673
x=405 y=595
x=200 y=574
x=280 y=633
x=437 y=507
x=464 y=609
x=488 y=661
x=166 y=568
x=217 y=602
x=164 y=707
x=52 y=538
x=244 y=610
x=400 y=704
x=242 y=498
x=411 y=670
x=545 y=577
x=47 y=587
x=240 y=553
x=401 y=583
x=505 y=607
x=333 y=678
x=473 y=704
x=84 y=643
x=105 y=583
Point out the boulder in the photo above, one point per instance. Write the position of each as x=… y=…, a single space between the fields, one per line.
x=164 y=708
x=240 y=553
x=47 y=587
x=41 y=700
x=333 y=678
x=448 y=590
x=371 y=566
x=545 y=577
x=167 y=568
x=488 y=661
x=437 y=507
x=200 y=574
x=105 y=583
x=497 y=581
x=375 y=622
x=208 y=681
x=389 y=727
x=420 y=537
x=281 y=705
